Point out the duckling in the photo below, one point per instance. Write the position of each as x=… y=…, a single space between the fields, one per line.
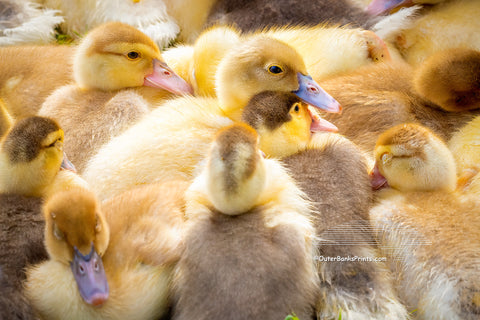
x=428 y=232
x=24 y=22
x=118 y=245
x=445 y=25
x=440 y=95
x=332 y=171
x=248 y=238
x=61 y=65
x=261 y=14
x=283 y=122
x=124 y=59
x=31 y=159
x=327 y=51
x=184 y=127
x=31 y=156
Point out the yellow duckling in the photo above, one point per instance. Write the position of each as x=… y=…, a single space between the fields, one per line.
x=31 y=158
x=248 y=231
x=283 y=122
x=183 y=128
x=428 y=233
x=109 y=262
x=110 y=59
x=327 y=51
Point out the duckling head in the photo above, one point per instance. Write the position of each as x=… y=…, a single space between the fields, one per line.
x=412 y=158
x=31 y=154
x=76 y=233
x=235 y=172
x=283 y=121
x=450 y=79
x=115 y=56
x=262 y=63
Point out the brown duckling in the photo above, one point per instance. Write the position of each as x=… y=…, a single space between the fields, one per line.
x=248 y=239
x=332 y=171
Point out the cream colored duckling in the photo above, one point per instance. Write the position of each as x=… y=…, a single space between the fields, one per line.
x=248 y=239
x=183 y=128
x=127 y=254
x=428 y=233
x=110 y=60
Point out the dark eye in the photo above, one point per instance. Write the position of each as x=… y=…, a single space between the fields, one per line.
x=132 y=55
x=275 y=69
x=52 y=144
x=296 y=108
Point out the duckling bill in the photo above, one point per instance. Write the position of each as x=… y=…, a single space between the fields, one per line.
x=311 y=92
x=90 y=276
x=165 y=78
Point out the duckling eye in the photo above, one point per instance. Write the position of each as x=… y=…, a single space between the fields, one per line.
x=296 y=108
x=53 y=143
x=274 y=69
x=133 y=55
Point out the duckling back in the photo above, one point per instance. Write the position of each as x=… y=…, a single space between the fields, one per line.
x=260 y=14
x=21 y=235
x=240 y=264
x=430 y=236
